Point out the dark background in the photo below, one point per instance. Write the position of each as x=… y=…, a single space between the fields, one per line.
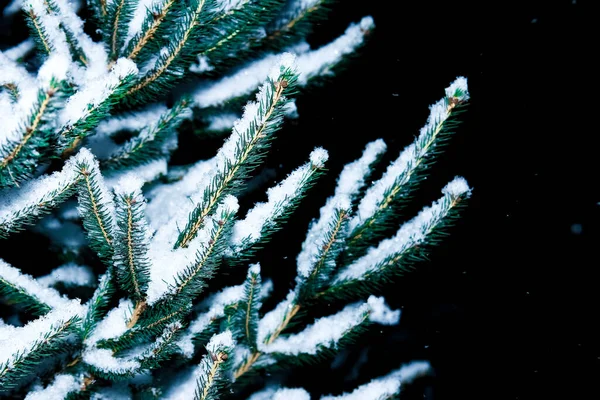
x=506 y=308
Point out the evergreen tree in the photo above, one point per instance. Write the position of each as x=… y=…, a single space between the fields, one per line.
x=85 y=158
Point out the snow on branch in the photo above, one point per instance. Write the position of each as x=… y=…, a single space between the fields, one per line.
x=265 y=218
x=246 y=146
x=69 y=275
x=386 y=386
x=273 y=393
x=29 y=292
x=329 y=332
x=24 y=348
x=378 y=260
x=27 y=204
x=402 y=174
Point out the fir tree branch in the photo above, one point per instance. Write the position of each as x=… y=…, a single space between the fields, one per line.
x=244 y=324
x=97 y=306
x=96 y=207
x=27 y=347
x=213 y=370
x=167 y=69
x=19 y=158
x=39 y=34
x=118 y=17
x=152 y=143
x=131 y=241
x=250 y=138
x=394 y=256
x=155 y=19
x=264 y=219
x=384 y=197
x=28 y=204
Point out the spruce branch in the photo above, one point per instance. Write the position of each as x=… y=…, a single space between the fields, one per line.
x=266 y=218
x=244 y=324
x=214 y=369
x=118 y=17
x=246 y=146
x=25 y=348
x=146 y=40
x=131 y=239
x=151 y=143
x=97 y=306
x=19 y=157
x=178 y=55
x=96 y=206
x=383 y=199
x=395 y=255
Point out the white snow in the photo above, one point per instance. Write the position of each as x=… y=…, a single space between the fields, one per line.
x=95 y=92
x=166 y=200
x=216 y=308
x=114 y=323
x=221 y=122
x=327 y=331
x=20 y=50
x=320 y=61
x=185 y=386
x=350 y=181
x=281 y=394
x=132 y=122
x=279 y=198
x=33 y=287
x=69 y=274
x=270 y=321
x=168 y=263
x=104 y=360
x=243 y=82
x=459 y=84
x=410 y=233
x=129 y=184
x=381 y=313
x=62 y=385
x=20 y=340
x=148 y=172
x=386 y=386
x=117 y=391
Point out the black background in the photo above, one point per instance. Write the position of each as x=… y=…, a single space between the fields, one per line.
x=507 y=307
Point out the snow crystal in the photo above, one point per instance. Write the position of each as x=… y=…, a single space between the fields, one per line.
x=61 y=386
x=457 y=187
x=32 y=286
x=104 y=360
x=69 y=274
x=202 y=65
x=319 y=156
